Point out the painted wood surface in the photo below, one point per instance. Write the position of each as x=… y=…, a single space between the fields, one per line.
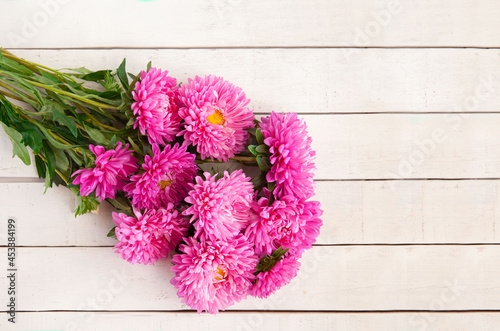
x=324 y=80
x=385 y=146
x=373 y=278
x=355 y=212
x=236 y=23
x=402 y=99
x=247 y=321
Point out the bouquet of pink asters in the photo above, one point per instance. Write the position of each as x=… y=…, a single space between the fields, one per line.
x=158 y=152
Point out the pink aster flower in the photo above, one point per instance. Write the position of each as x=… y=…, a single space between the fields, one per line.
x=216 y=116
x=291 y=155
x=220 y=208
x=289 y=222
x=112 y=167
x=156 y=106
x=270 y=281
x=311 y=217
x=149 y=237
x=212 y=276
x=166 y=178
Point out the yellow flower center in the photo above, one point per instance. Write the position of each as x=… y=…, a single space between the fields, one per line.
x=164 y=183
x=216 y=118
x=221 y=273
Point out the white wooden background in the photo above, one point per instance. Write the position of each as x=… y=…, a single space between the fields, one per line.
x=402 y=99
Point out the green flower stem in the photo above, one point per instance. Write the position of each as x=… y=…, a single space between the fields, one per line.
x=45 y=129
x=63 y=176
x=17 y=91
x=12 y=96
x=95 y=120
x=244 y=158
x=234 y=158
x=40 y=113
x=23 y=62
x=23 y=112
x=35 y=67
x=61 y=140
x=74 y=96
x=55 y=136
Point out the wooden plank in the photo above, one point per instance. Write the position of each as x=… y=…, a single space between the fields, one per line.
x=436 y=278
x=392 y=212
x=406 y=146
x=231 y=321
x=359 y=212
x=235 y=23
x=48 y=219
x=321 y=80
x=388 y=146
x=12 y=166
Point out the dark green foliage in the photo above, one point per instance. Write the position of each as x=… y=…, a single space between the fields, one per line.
x=61 y=115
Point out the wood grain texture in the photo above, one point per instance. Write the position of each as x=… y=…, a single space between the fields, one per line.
x=235 y=23
x=387 y=146
x=436 y=278
x=359 y=212
x=321 y=80
x=408 y=155
x=237 y=321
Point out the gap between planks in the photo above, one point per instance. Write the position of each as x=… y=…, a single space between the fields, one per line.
x=314 y=245
x=190 y=311
x=246 y=47
x=20 y=180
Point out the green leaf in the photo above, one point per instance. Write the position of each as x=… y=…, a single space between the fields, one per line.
x=136 y=148
x=122 y=75
x=131 y=87
x=58 y=180
x=96 y=75
x=81 y=70
x=18 y=147
x=40 y=166
x=51 y=162
x=258 y=181
x=74 y=157
x=43 y=80
x=148 y=67
x=65 y=120
x=13 y=66
x=29 y=91
x=85 y=204
x=32 y=137
x=112 y=142
x=96 y=135
x=110 y=95
x=267 y=262
x=252 y=149
x=111 y=85
x=48 y=180
x=53 y=78
x=264 y=163
x=251 y=131
x=259 y=136
x=121 y=206
x=112 y=233
x=62 y=162
x=262 y=149
x=52 y=140
x=271 y=186
x=92 y=95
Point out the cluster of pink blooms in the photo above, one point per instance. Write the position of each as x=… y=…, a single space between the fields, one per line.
x=229 y=239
